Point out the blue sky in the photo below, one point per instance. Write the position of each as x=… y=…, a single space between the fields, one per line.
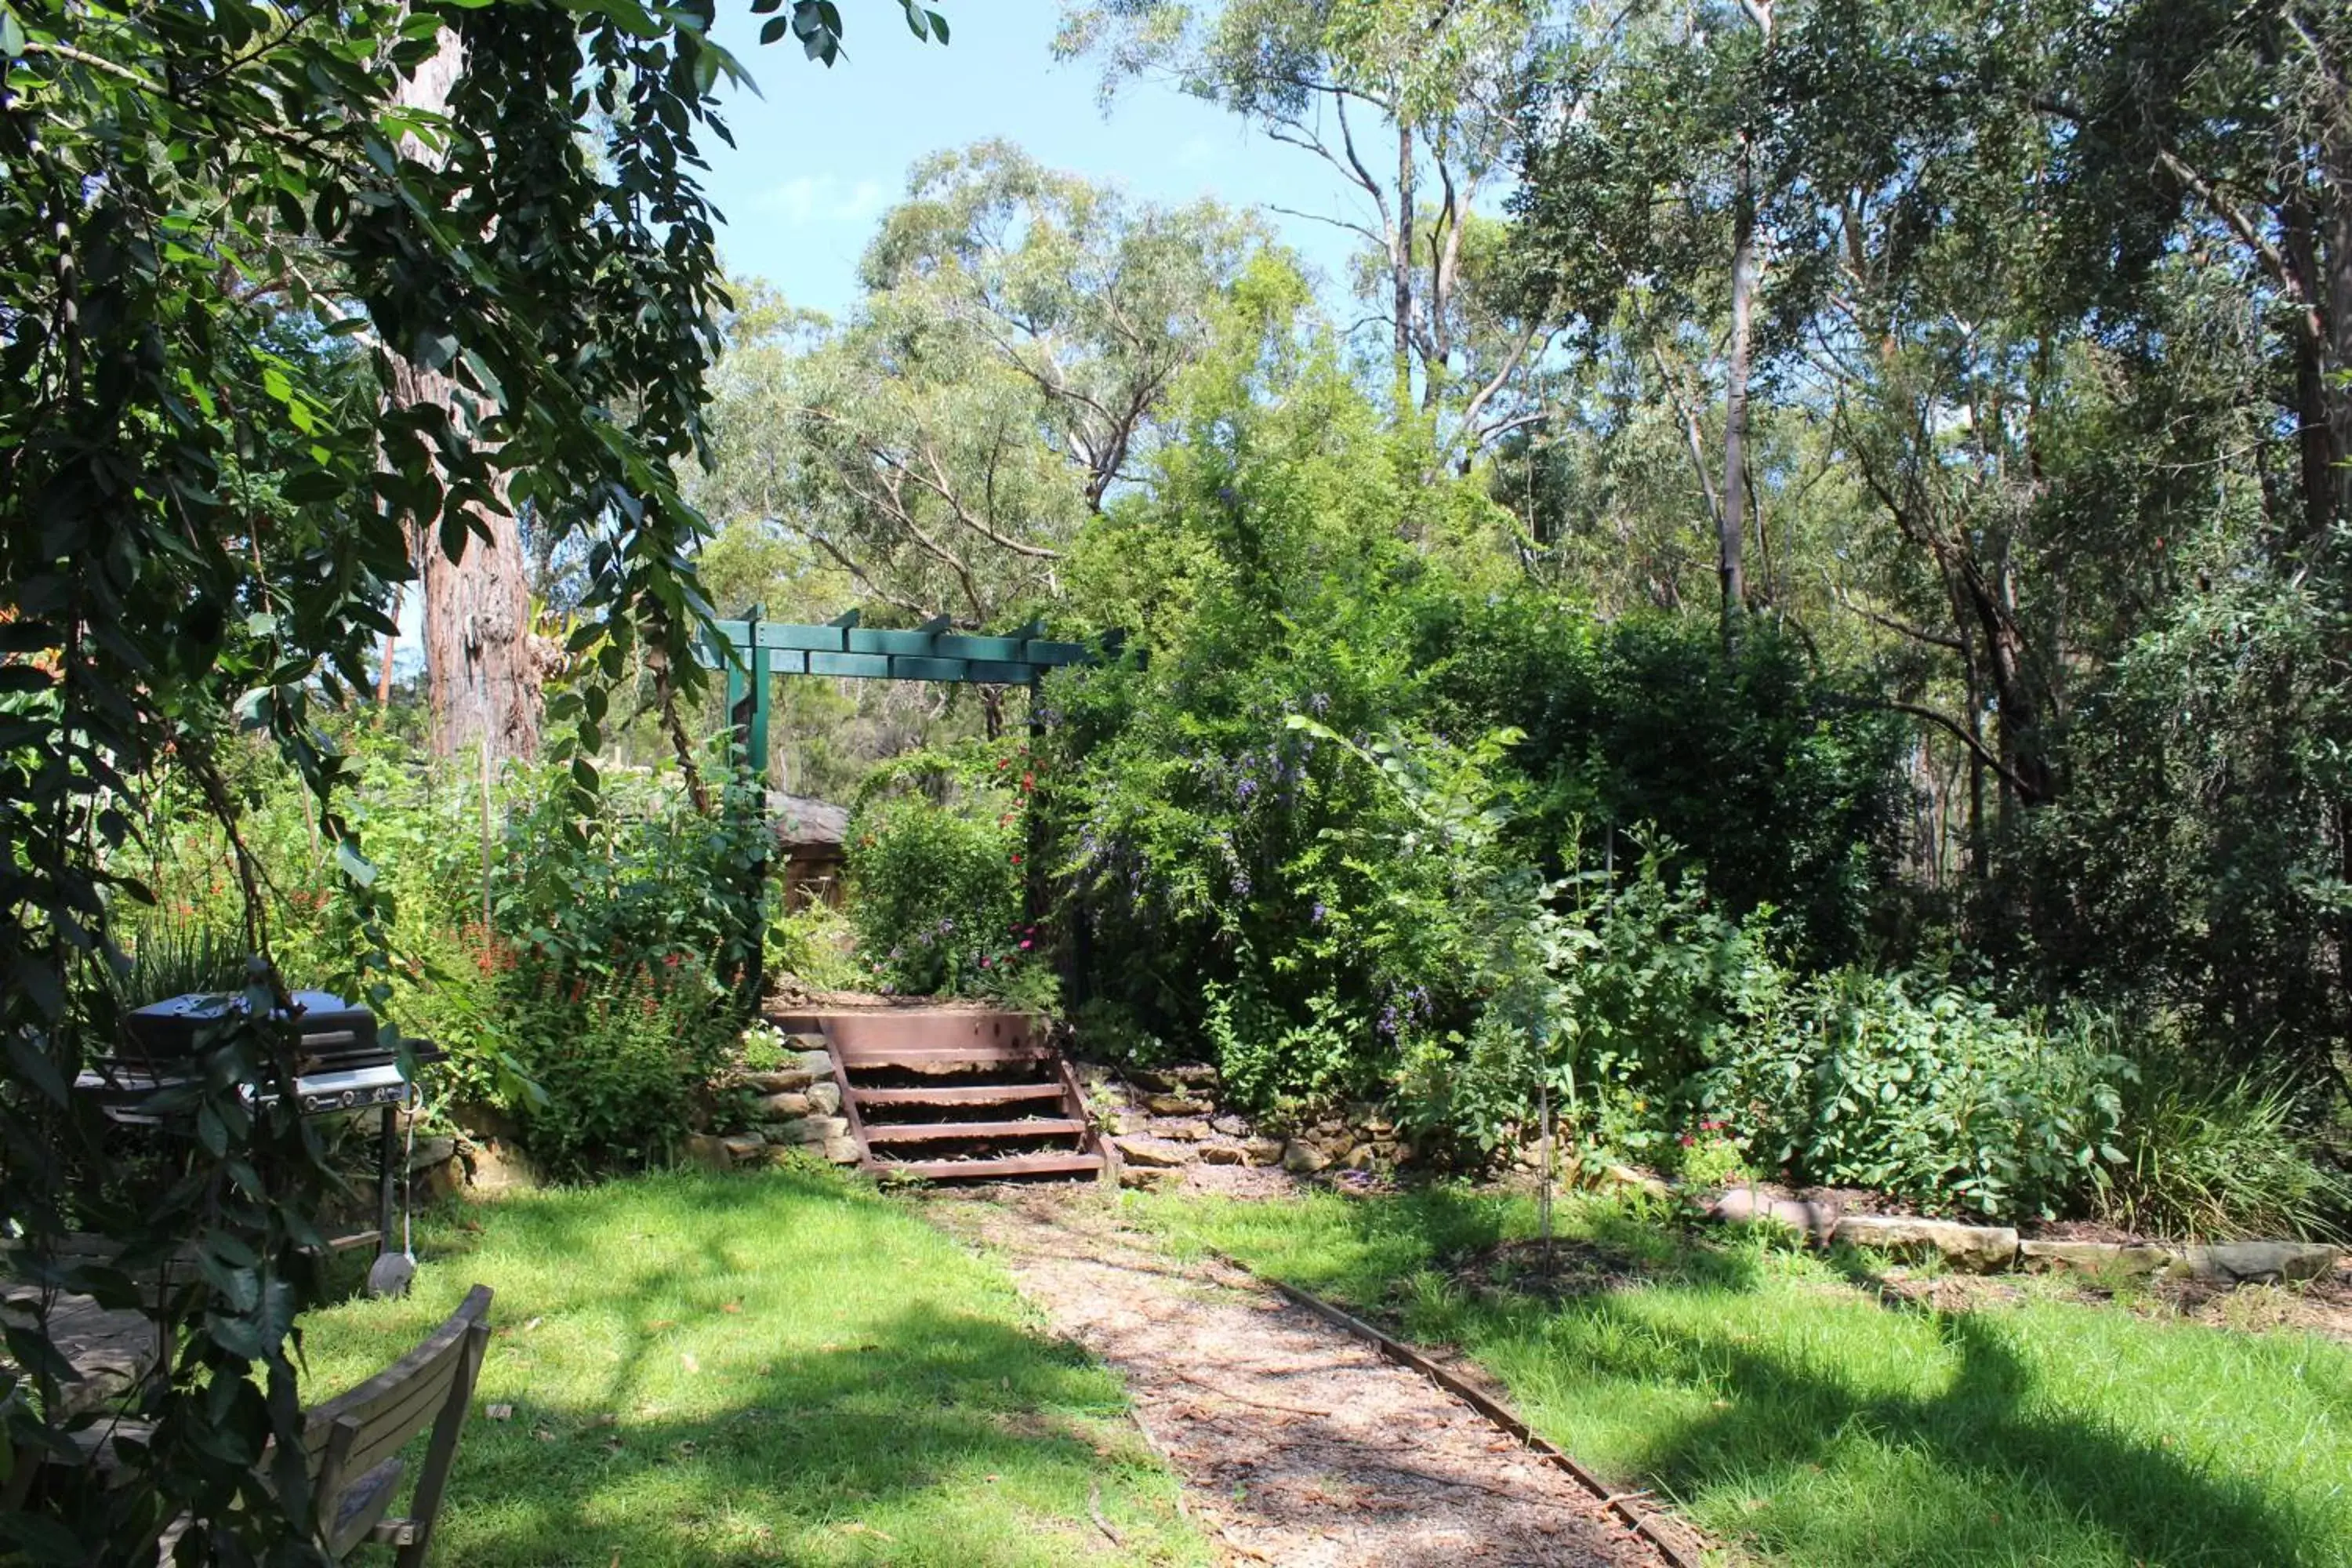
x=823 y=152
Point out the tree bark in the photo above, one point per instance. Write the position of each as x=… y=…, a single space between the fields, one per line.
x=480 y=671
x=1728 y=517
x=1401 y=265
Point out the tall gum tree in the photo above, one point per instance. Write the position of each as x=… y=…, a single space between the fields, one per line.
x=481 y=672
x=1414 y=109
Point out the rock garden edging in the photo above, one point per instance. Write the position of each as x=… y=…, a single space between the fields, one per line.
x=1987 y=1248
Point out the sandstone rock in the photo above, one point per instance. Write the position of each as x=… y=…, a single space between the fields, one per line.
x=432 y=1152
x=709 y=1152
x=808 y=1045
x=1131 y=1121
x=813 y=1130
x=1261 y=1150
x=841 y=1150
x=825 y=1098
x=1150 y=1179
x=1358 y=1158
x=1173 y=1080
x=1626 y=1179
x=783 y=1081
x=443 y=1180
x=1158 y=1152
x=2093 y=1256
x=1230 y=1126
x=744 y=1148
x=499 y=1167
x=1188 y=1129
x=1223 y=1154
x=1816 y=1220
x=1302 y=1159
x=2256 y=1262
x=1979 y=1248
x=1175 y=1105
x=785 y=1105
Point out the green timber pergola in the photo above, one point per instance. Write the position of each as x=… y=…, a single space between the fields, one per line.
x=754 y=651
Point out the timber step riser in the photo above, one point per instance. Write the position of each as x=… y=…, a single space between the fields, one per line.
x=957 y=1095
x=974 y=1131
x=1000 y=1121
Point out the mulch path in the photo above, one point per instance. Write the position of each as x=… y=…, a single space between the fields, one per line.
x=1298 y=1444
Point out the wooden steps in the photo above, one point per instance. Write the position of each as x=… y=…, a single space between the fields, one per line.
x=1066 y=1164
x=959 y=1095
x=952 y=1132
x=956 y=1094
x=952 y=1059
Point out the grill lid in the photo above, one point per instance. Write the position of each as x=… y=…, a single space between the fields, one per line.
x=332 y=1030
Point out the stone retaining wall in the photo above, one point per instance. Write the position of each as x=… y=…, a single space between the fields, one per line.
x=794 y=1110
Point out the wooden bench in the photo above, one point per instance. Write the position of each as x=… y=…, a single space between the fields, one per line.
x=355 y=1439
x=353 y=1442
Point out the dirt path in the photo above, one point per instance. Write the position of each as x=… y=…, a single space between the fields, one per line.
x=1298 y=1445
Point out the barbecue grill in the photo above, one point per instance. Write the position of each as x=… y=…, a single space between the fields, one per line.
x=342 y=1063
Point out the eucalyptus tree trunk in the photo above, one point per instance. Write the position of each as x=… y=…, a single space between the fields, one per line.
x=481 y=674
x=1400 y=262
x=1730 y=517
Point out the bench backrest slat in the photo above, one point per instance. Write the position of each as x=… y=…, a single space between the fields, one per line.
x=352 y=1433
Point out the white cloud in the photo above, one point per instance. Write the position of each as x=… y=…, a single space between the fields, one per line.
x=804 y=200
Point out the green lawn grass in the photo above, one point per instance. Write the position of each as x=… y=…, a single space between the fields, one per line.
x=778 y=1367
x=1788 y=1408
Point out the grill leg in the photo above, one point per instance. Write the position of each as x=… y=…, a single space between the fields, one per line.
x=387 y=1155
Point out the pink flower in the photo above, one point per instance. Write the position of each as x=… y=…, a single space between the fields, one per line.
x=984 y=961
x=1025 y=947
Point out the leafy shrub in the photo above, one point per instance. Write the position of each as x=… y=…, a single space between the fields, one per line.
x=616 y=1059
x=815 y=943
x=937 y=877
x=1851 y=1078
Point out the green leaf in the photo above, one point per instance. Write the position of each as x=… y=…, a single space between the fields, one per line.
x=12 y=35
x=354 y=864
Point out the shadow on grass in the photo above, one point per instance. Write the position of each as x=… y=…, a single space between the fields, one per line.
x=2005 y=1475
x=886 y=1416
x=819 y=1443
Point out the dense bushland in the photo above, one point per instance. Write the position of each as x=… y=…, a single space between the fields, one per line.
x=1374 y=821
